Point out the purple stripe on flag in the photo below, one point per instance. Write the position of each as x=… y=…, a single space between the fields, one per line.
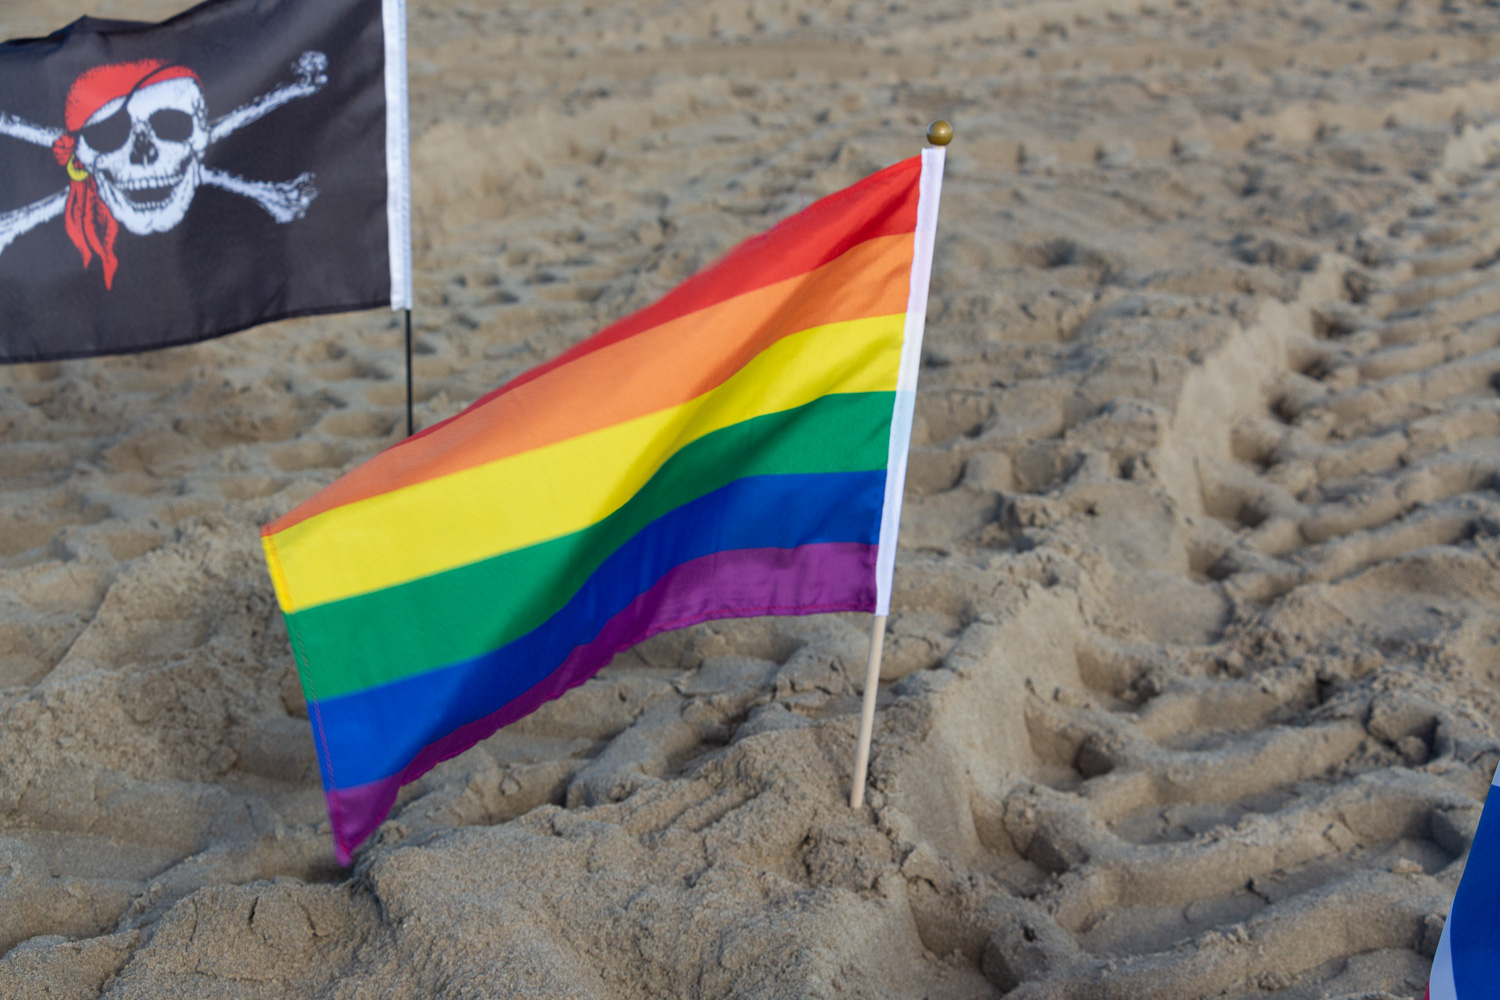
x=809 y=579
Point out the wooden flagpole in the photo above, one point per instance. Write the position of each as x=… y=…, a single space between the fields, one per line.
x=939 y=133
x=410 y=426
x=867 y=713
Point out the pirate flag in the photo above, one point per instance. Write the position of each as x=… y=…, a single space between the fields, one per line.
x=161 y=184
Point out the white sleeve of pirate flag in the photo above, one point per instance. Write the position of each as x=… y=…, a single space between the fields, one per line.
x=245 y=161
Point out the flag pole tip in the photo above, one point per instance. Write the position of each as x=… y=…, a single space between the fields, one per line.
x=940 y=133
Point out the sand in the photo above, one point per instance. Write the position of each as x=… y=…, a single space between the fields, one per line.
x=1191 y=685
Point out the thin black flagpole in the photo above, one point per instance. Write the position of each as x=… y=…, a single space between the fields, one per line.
x=410 y=426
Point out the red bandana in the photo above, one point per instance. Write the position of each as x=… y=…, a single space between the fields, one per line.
x=90 y=224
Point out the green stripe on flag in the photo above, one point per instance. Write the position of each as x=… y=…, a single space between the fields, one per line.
x=471 y=610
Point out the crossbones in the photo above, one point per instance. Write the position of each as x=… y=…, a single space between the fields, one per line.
x=133 y=151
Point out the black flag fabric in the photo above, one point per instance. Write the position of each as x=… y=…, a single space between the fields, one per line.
x=161 y=184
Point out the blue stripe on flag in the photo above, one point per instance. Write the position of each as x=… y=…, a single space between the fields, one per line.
x=372 y=734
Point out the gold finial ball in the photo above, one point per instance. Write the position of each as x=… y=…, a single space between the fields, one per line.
x=940 y=133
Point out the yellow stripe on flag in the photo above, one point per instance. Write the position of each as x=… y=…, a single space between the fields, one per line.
x=481 y=512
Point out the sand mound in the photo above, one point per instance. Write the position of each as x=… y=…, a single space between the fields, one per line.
x=1191 y=683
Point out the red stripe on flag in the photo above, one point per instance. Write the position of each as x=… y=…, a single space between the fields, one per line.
x=883 y=204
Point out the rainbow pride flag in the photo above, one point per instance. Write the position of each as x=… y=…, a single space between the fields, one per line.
x=737 y=449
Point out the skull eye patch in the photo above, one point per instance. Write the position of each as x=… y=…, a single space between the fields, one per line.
x=110 y=134
x=173 y=126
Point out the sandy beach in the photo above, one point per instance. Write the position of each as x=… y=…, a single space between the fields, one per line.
x=1192 y=684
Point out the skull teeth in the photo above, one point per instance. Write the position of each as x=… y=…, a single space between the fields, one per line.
x=146 y=183
x=146 y=193
x=149 y=197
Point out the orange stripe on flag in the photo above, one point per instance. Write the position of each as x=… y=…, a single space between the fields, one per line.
x=651 y=371
x=883 y=204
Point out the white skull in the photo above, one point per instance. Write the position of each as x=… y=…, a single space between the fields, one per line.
x=145 y=152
